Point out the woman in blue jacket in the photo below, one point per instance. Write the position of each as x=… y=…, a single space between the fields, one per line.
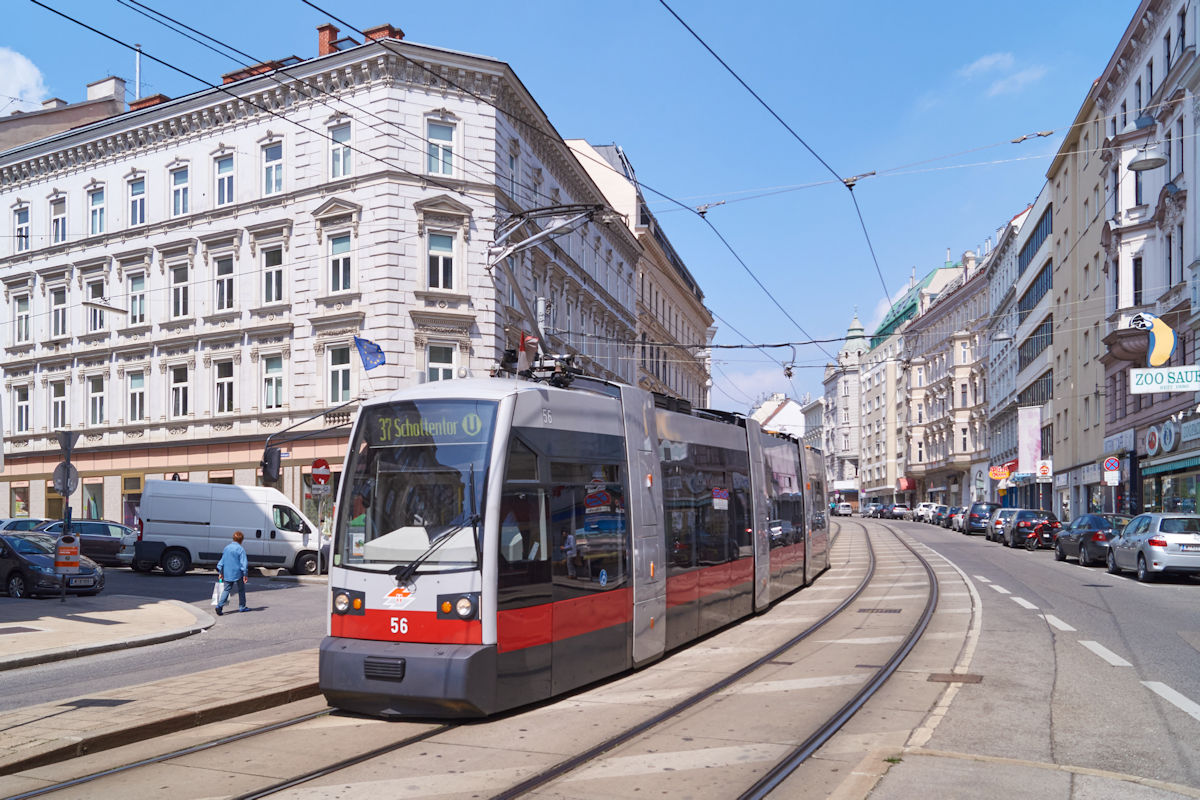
x=233 y=570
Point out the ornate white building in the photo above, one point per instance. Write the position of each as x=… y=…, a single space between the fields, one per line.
x=249 y=233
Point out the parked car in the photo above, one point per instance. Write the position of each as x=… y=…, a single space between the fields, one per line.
x=1154 y=543
x=901 y=511
x=997 y=523
x=951 y=513
x=938 y=515
x=20 y=523
x=869 y=510
x=1016 y=531
x=27 y=567
x=977 y=516
x=109 y=543
x=922 y=511
x=1086 y=538
x=844 y=510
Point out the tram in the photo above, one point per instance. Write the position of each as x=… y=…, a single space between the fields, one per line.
x=501 y=541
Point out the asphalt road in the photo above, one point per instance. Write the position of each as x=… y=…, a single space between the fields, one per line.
x=285 y=617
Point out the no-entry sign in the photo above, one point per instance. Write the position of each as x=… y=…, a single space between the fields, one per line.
x=320 y=472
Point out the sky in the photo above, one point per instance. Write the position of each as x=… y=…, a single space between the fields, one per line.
x=928 y=96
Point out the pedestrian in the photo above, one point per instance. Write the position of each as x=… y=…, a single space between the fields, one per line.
x=568 y=548
x=232 y=570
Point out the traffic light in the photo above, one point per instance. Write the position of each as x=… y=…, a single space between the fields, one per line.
x=270 y=464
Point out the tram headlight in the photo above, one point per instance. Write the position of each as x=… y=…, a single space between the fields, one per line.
x=341 y=602
x=458 y=606
x=465 y=608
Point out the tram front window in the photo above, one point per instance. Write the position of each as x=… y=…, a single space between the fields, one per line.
x=416 y=476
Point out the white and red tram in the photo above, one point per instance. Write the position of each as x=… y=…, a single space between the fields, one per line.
x=501 y=541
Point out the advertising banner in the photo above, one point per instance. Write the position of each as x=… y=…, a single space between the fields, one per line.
x=1029 y=438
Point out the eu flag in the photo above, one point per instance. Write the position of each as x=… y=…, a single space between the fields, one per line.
x=372 y=354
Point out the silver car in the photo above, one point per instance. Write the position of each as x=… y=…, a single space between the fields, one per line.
x=1154 y=543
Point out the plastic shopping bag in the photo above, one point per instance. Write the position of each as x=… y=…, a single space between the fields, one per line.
x=216 y=598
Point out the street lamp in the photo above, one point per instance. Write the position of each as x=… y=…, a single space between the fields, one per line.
x=1148 y=157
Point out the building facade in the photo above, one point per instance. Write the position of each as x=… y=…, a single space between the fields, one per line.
x=249 y=233
x=842 y=409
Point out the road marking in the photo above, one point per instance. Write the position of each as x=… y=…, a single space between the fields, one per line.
x=864 y=640
x=1023 y=603
x=1173 y=697
x=1056 y=622
x=795 y=684
x=1106 y=654
x=1000 y=589
x=982 y=579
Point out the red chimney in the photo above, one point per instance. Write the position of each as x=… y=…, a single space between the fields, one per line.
x=383 y=32
x=327 y=34
x=146 y=102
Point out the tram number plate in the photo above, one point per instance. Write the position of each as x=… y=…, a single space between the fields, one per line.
x=399 y=624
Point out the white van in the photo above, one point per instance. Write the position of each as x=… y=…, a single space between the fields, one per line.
x=185 y=525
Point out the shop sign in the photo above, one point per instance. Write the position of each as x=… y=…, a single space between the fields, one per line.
x=1153 y=440
x=998 y=473
x=1091 y=473
x=1147 y=380
x=1169 y=437
x=1190 y=430
x=1119 y=442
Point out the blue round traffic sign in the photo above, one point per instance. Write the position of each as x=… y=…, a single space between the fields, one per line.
x=1112 y=464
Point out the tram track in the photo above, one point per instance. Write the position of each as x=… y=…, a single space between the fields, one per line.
x=401 y=738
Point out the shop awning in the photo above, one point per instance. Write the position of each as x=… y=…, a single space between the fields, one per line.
x=1182 y=462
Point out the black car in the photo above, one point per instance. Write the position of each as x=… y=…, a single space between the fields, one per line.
x=27 y=568
x=109 y=543
x=977 y=516
x=946 y=521
x=1024 y=522
x=1086 y=537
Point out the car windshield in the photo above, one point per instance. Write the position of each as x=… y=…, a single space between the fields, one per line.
x=31 y=544
x=1114 y=521
x=1179 y=525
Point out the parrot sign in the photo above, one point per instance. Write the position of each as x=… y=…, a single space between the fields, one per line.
x=1162 y=338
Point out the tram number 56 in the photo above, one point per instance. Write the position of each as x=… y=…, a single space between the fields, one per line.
x=399 y=624
x=547 y=417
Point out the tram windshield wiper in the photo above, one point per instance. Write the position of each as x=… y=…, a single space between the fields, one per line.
x=404 y=573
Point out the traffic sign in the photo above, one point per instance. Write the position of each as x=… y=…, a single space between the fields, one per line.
x=320 y=490
x=1112 y=477
x=1112 y=464
x=320 y=472
x=1045 y=471
x=66 y=478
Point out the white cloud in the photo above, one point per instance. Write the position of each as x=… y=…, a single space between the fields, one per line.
x=1017 y=81
x=989 y=63
x=20 y=82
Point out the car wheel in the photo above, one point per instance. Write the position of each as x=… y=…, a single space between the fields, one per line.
x=1059 y=555
x=16 y=586
x=1084 y=561
x=176 y=563
x=1143 y=573
x=1111 y=563
x=306 y=564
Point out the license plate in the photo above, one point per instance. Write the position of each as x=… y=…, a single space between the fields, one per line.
x=1189 y=548
x=80 y=581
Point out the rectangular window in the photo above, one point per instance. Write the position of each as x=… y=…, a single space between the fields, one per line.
x=137 y=202
x=21 y=229
x=273 y=169
x=95 y=212
x=1150 y=79
x=964 y=440
x=137 y=396
x=1167 y=49
x=1137 y=280
x=339 y=263
x=223 y=168
x=223 y=300
x=1116 y=193
x=440 y=361
x=1137 y=95
x=441 y=148
x=339 y=374
x=1137 y=189
x=179 y=192
x=21 y=331
x=21 y=419
x=1179 y=136
x=137 y=299
x=1170 y=251
x=273 y=275
x=179 y=391
x=95 y=292
x=58 y=405
x=441 y=261
x=224 y=376
x=95 y=387
x=179 y=291
x=273 y=382
x=58 y=221
x=58 y=313
x=339 y=151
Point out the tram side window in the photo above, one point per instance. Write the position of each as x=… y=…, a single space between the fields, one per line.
x=741 y=535
x=588 y=518
x=680 y=502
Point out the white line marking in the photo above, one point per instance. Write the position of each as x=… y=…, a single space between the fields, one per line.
x=999 y=589
x=1106 y=654
x=981 y=579
x=864 y=598
x=795 y=684
x=1056 y=622
x=1023 y=603
x=1192 y=709
x=864 y=640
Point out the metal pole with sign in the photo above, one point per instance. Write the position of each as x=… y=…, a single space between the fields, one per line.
x=66 y=481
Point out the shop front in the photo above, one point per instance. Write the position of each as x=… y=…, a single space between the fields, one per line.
x=1120 y=498
x=1170 y=470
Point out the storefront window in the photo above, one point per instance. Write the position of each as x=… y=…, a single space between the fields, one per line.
x=131 y=498
x=93 y=501
x=1179 y=493
x=18 y=501
x=1149 y=495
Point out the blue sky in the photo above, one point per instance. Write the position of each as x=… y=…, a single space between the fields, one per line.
x=927 y=95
